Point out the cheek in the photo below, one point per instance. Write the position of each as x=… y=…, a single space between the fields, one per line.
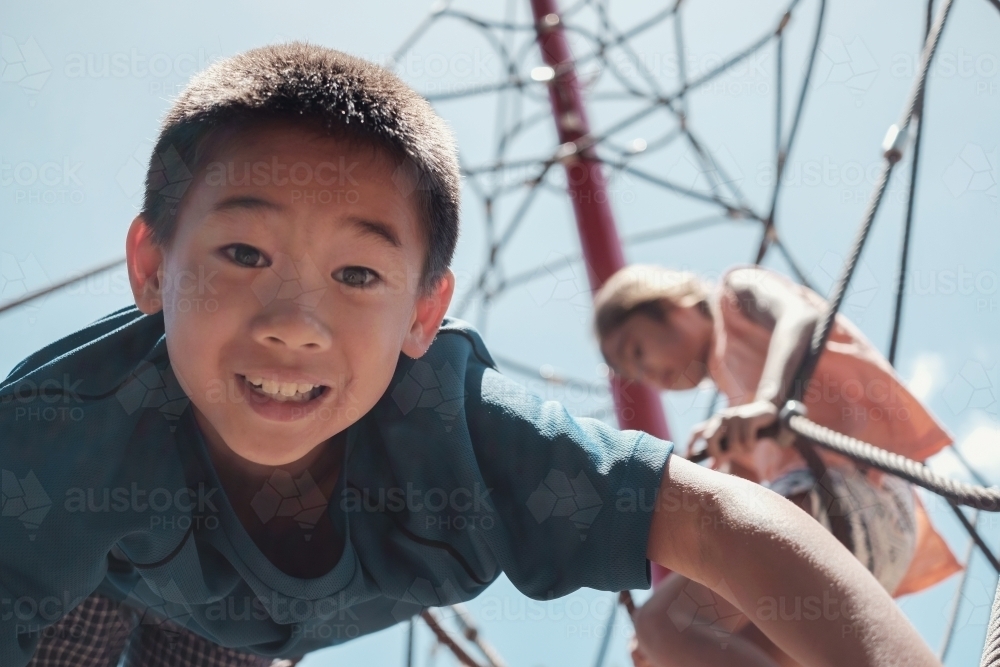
x=197 y=317
x=189 y=360
x=668 y=355
x=372 y=359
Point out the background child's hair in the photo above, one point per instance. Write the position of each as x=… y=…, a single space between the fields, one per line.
x=648 y=289
x=345 y=96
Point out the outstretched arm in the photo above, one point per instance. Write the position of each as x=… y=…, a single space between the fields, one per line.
x=804 y=590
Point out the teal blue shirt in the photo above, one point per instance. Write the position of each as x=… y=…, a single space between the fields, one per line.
x=457 y=475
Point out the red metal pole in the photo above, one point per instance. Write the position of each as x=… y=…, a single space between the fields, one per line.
x=636 y=406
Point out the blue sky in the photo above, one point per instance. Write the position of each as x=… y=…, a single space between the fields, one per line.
x=76 y=136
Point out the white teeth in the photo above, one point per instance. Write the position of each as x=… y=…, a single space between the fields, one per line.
x=282 y=391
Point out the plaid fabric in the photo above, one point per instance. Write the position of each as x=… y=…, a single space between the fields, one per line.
x=92 y=635
x=99 y=633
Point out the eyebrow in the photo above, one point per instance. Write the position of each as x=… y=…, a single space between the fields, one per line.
x=367 y=227
x=246 y=203
x=378 y=229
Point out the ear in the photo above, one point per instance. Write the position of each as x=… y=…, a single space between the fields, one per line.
x=144 y=259
x=428 y=313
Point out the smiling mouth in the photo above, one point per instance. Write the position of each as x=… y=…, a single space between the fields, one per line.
x=284 y=392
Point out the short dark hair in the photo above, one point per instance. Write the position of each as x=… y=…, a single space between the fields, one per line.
x=645 y=289
x=348 y=97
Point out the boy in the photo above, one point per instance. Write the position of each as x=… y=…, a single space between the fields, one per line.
x=669 y=329
x=286 y=445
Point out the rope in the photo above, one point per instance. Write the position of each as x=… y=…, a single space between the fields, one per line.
x=981 y=498
x=767 y=235
x=37 y=294
x=471 y=633
x=974 y=534
x=904 y=253
x=895 y=140
x=991 y=650
x=956 y=601
x=444 y=638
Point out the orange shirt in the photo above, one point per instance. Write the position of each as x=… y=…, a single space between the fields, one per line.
x=853 y=390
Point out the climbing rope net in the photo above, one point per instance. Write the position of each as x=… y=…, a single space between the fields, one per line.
x=644 y=115
x=649 y=115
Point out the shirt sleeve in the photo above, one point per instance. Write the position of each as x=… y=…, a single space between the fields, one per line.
x=495 y=479
x=576 y=496
x=65 y=443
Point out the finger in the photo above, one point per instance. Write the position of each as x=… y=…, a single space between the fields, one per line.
x=714 y=441
x=711 y=427
x=733 y=436
x=745 y=436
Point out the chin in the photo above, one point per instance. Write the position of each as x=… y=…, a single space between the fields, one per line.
x=268 y=455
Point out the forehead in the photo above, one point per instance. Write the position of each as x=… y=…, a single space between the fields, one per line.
x=304 y=170
x=637 y=327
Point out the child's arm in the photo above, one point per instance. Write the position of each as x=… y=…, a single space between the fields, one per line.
x=775 y=305
x=772 y=560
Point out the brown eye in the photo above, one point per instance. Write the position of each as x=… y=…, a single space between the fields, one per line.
x=356 y=276
x=246 y=255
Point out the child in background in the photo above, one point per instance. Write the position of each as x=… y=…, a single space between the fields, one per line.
x=286 y=445
x=671 y=331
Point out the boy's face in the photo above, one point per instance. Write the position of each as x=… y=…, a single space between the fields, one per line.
x=289 y=288
x=671 y=354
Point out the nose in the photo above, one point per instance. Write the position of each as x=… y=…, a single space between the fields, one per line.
x=292 y=328
x=649 y=374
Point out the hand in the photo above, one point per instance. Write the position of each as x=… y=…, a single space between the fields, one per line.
x=738 y=425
